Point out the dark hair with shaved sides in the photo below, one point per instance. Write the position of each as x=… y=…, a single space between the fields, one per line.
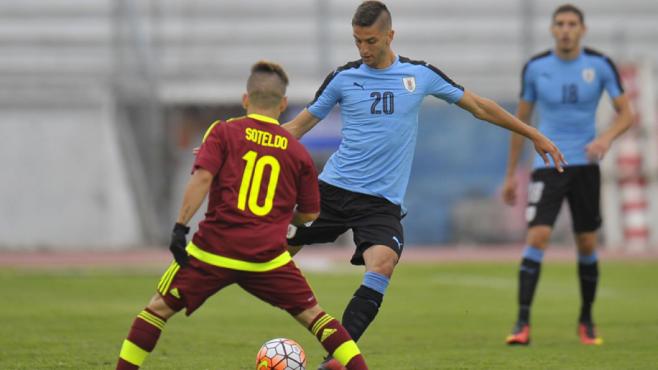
x=570 y=8
x=369 y=12
x=267 y=84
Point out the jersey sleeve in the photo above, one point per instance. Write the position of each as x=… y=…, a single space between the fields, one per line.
x=610 y=78
x=211 y=153
x=308 y=196
x=442 y=87
x=528 y=90
x=326 y=97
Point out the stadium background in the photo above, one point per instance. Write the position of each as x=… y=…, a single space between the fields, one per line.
x=102 y=102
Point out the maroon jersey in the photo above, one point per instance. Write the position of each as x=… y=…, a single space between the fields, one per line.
x=260 y=173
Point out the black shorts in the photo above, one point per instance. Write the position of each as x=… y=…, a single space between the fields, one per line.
x=580 y=185
x=373 y=220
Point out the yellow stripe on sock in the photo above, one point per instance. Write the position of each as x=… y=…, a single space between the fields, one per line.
x=152 y=319
x=132 y=353
x=346 y=351
x=324 y=320
x=316 y=327
x=323 y=323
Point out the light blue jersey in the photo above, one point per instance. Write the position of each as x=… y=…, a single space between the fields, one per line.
x=566 y=93
x=379 y=109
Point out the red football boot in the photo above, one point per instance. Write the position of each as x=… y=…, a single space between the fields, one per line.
x=520 y=335
x=587 y=334
x=331 y=363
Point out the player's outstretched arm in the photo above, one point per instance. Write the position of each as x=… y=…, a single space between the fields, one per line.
x=599 y=146
x=487 y=110
x=523 y=113
x=195 y=192
x=301 y=124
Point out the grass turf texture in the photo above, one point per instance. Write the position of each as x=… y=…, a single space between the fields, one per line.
x=443 y=316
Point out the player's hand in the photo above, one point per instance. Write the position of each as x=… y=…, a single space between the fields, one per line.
x=509 y=190
x=195 y=151
x=292 y=231
x=545 y=147
x=178 y=244
x=597 y=148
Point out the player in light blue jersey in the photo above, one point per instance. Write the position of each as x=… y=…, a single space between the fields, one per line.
x=364 y=182
x=565 y=84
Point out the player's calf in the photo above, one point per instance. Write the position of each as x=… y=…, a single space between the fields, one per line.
x=144 y=334
x=337 y=342
x=142 y=338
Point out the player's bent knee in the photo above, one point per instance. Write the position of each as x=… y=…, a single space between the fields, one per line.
x=586 y=243
x=380 y=259
x=306 y=317
x=385 y=268
x=160 y=307
x=539 y=236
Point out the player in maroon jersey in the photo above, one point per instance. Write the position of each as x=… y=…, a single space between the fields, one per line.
x=255 y=173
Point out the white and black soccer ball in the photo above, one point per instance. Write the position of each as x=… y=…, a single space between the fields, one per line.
x=281 y=354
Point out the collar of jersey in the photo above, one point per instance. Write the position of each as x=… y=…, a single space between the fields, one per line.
x=263 y=118
x=580 y=55
x=384 y=70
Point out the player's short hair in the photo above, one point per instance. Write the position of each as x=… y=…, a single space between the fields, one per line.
x=369 y=12
x=267 y=84
x=570 y=8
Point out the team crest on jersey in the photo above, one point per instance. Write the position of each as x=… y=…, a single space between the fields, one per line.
x=409 y=83
x=588 y=75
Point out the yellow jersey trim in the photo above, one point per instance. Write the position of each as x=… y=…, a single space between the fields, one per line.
x=209 y=130
x=167 y=277
x=235 y=264
x=235 y=119
x=255 y=116
x=346 y=351
x=263 y=118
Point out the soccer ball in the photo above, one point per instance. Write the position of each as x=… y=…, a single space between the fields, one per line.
x=281 y=354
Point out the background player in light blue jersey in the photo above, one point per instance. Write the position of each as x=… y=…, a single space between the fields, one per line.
x=565 y=84
x=363 y=183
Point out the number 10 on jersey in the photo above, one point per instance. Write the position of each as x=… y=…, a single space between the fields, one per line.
x=252 y=178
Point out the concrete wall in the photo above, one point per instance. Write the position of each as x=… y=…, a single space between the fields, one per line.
x=63 y=183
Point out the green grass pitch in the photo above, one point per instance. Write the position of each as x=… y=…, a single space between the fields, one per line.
x=440 y=316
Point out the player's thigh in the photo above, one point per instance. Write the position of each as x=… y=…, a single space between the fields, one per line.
x=546 y=192
x=584 y=199
x=330 y=224
x=382 y=229
x=284 y=287
x=321 y=230
x=188 y=287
